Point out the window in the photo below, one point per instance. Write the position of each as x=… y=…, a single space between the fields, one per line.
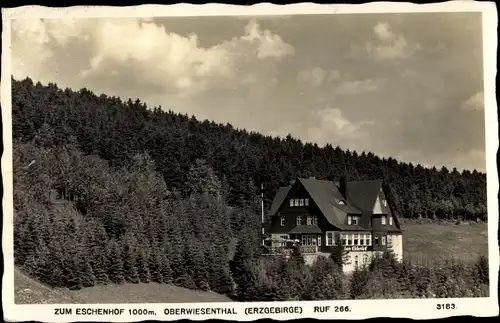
x=389 y=240
x=365 y=258
x=306 y=202
x=376 y=241
x=349 y=239
x=343 y=238
x=362 y=239
x=296 y=202
x=282 y=221
x=291 y=202
x=319 y=240
x=356 y=261
x=315 y=220
x=355 y=239
x=330 y=241
x=390 y=220
x=355 y=220
x=384 y=202
x=309 y=240
x=309 y=220
x=299 y=220
x=349 y=219
x=283 y=239
x=301 y=202
x=368 y=239
x=383 y=241
x=384 y=219
x=341 y=202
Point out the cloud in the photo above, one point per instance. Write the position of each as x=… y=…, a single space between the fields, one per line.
x=410 y=74
x=317 y=76
x=357 y=87
x=474 y=103
x=389 y=45
x=145 y=51
x=330 y=125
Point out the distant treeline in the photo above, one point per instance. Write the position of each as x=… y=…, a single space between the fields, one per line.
x=117 y=130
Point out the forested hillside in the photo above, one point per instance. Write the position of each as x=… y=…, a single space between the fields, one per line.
x=107 y=191
x=116 y=131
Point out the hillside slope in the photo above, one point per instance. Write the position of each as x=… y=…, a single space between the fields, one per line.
x=117 y=130
x=30 y=291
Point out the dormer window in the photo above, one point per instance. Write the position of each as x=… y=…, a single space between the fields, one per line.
x=390 y=220
x=299 y=220
x=309 y=220
x=282 y=221
x=299 y=202
x=384 y=220
x=352 y=220
x=341 y=202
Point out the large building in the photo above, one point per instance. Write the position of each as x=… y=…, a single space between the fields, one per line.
x=319 y=214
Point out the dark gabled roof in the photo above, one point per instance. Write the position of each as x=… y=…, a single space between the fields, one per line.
x=278 y=199
x=301 y=229
x=326 y=196
x=363 y=194
x=360 y=199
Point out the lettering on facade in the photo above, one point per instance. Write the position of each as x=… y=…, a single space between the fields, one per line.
x=357 y=248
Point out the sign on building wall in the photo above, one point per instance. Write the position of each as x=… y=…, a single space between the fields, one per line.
x=358 y=248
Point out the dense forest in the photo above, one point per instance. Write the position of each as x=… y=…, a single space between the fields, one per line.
x=107 y=191
x=116 y=131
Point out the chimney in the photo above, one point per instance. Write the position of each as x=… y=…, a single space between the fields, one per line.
x=343 y=186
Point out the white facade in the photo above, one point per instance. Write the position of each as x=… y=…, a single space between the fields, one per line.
x=396 y=245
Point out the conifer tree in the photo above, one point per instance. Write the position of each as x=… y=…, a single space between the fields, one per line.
x=115 y=261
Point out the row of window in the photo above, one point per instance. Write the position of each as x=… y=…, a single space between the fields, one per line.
x=351 y=220
x=384 y=220
x=354 y=220
x=311 y=220
x=299 y=202
x=347 y=239
x=355 y=239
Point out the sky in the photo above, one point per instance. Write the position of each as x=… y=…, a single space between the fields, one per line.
x=406 y=85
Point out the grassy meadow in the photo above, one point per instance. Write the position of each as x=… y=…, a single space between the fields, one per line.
x=30 y=291
x=431 y=243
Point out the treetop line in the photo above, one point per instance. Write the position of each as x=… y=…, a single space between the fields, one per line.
x=245 y=161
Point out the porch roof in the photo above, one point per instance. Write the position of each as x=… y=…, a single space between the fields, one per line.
x=299 y=229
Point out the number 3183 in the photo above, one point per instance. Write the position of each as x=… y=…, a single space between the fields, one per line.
x=447 y=306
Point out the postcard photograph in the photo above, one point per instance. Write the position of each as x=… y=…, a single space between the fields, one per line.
x=249 y=164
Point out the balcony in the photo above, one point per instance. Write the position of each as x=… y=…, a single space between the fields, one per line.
x=286 y=250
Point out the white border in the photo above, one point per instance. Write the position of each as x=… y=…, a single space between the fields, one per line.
x=360 y=309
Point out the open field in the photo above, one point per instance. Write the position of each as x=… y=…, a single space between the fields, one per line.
x=429 y=243
x=30 y=291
